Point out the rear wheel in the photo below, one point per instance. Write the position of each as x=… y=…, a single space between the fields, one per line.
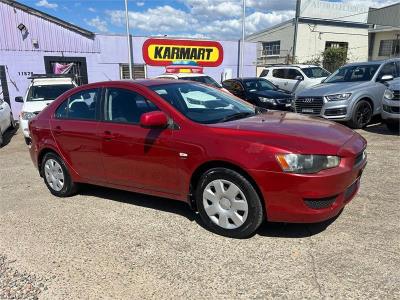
x=362 y=115
x=393 y=127
x=228 y=204
x=56 y=176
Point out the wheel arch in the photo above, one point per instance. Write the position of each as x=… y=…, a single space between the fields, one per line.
x=41 y=155
x=201 y=169
x=366 y=98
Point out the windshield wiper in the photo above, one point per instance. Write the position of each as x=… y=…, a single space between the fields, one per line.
x=236 y=116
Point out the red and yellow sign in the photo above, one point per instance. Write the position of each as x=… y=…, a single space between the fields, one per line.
x=162 y=52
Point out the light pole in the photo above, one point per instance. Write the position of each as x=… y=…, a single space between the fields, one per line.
x=243 y=36
x=129 y=41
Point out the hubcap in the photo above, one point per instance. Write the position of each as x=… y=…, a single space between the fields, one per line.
x=54 y=175
x=225 y=204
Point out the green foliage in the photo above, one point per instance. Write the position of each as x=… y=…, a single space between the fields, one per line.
x=333 y=58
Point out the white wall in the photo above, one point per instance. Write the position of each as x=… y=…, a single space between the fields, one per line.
x=379 y=36
x=311 y=41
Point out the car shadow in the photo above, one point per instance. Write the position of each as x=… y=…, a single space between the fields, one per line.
x=379 y=128
x=9 y=134
x=267 y=229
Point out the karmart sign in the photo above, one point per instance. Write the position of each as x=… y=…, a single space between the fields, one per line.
x=162 y=52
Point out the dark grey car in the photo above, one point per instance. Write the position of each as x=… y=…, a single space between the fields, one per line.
x=353 y=93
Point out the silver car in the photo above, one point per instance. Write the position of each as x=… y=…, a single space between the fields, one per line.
x=391 y=106
x=352 y=94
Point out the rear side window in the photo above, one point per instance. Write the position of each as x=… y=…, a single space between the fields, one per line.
x=278 y=73
x=79 y=106
x=264 y=73
x=125 y=106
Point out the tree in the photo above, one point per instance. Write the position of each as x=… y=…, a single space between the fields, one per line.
x=333 y=58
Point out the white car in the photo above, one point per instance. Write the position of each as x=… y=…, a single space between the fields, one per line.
x=41 y=92
x=202 y=78
x=286 y=76
x=6 y=119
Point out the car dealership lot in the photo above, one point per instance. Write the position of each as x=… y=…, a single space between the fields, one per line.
x=105 y=243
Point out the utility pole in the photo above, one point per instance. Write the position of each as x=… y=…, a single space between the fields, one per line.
x=128 y=36
x=296 y=27
x=243 y=36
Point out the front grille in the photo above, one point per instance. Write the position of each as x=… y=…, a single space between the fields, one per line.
x=396 y=95
x=309 y=105
x=320 y=203
x=350 y=191
x=335 y=111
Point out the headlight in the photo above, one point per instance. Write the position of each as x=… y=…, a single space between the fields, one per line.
x=267 y=100
x=338 y=97
x=388 y=94
x=306 y=164
x=25 y=115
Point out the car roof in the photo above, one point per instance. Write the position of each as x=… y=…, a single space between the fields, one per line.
x=246 y=78
x=143 y=82
x=373 y=62
x=292 y=66
x=52 y=81
x=180 y=75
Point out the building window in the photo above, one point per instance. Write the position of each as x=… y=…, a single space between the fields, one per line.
x=389 y=48
x=330 y=44
x=139 y=71
x=271 y=48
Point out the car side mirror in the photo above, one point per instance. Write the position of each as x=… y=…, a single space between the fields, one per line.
x=299 y=78
x=154 y=119
x=385 y=78
x=19 y=99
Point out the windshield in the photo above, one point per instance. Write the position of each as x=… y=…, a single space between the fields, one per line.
x=47 y=92
x=315 y=72
x=203 y=104
x=353 y=73
x=203 y=79
x=254 y=85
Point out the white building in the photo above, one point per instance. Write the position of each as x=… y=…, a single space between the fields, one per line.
x=317 y=26
x=384 y=34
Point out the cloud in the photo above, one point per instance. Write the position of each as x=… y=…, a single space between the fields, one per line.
x=140 y=3
x=97 y=23
x=46 y=4
x=91 y=9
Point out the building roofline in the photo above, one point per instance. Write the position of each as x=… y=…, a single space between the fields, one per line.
x=49 y=18
x=270 y=28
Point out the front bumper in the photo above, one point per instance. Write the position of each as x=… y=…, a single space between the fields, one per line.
x=391 y=110
x=300 y=198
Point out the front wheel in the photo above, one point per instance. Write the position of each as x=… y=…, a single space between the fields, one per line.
x=228 y=204
x=362 y=115
x=56 y=176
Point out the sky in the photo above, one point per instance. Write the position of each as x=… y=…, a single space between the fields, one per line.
x=213 y=19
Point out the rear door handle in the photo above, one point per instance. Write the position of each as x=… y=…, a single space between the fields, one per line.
x=57 y=130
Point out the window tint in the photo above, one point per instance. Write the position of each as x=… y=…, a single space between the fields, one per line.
x=203 y=79
x=79 y=106
x=388 y=69
x=293 y=73
x=264 y=73
x=353 y=73
x=124 y=106
x=261 y=84
x=315 y=72
x=47 y=92
x=278 y=73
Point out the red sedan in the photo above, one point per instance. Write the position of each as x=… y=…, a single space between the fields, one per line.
x=234 y=163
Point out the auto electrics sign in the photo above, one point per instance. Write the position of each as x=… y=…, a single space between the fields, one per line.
x=162 y=52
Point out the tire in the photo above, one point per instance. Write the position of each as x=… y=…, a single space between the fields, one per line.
x=393 y=127
x=362 y=115
x=12 y=121
x=59 y=185
x=228 y=204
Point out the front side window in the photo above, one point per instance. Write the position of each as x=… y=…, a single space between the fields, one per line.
x=315 y=72
x=279 y=73
x=47 y=92
x=203 y=104
x=353 y=73
x=79 y=106
x=388 y=69
x=125 y=106
x=293 y=74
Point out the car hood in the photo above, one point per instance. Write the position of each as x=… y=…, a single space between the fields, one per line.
x=324 y=88
x=272 y=94
x=293 y=132
x=35 y=106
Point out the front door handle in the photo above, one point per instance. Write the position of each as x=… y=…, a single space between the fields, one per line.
x=107 y=135
x=57 y=130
